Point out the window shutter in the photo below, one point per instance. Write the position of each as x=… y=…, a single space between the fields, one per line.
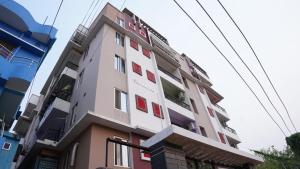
x=146 y=52
x=151 y=76
x=137 y=68
x=134 y=44
x=210 y=110
x=141 y=103
x=156 y=110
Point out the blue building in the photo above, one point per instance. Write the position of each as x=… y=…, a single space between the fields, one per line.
x=24 y=44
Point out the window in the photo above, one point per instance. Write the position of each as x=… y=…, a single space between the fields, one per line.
x=146 y=52
x=86 y=53
x=144 y=156
x=121 y=100
x=185 y=82
x=6 y=146
x=119 y=39
x=120 y=22
x=81 y=77
x=210 y=111
x=201 y=89
x=194 y=106
x=143 y=34
x=203 y=132
x=221 y=135
x=119 y=64
x=121 y=154
x=137 y=68
x=151 y=76
x=131 y=26
x=141 y=103
x=134 y=44
x=157 y=110
x=73 y=114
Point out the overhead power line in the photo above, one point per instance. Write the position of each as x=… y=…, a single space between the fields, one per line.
x=262 y=67
x=57 y=12
x=95 y=5
x=223 y=55
x=244 y=63
x=87 y=12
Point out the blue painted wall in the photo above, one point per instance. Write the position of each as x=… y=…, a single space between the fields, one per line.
x=28 y=43
x=7 y=156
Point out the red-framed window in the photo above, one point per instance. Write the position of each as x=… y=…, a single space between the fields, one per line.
x=151 y=76
x=201 y=89
x=221 y=135
x=141 y=103
x=210 y=111
x=146 y=53
x=157 y=110
x=143 y=34
x=137 y=68
x=134 y=44
x=131 y=26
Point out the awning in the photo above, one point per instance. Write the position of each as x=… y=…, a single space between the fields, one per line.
x=201 y=148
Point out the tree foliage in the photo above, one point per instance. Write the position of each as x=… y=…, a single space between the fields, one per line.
x=289 y=158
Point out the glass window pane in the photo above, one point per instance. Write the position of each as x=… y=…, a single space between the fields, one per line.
x=117 y=99
x=124 y=102
x=125 y=156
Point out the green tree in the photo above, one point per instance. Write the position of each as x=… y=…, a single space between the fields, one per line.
x=289 y=158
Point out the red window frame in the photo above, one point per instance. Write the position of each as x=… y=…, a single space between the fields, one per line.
x=141 y=103
x=143 y=34
x=150 y=76
x=131 y=26
x=134 y=44
x=221 y=135
x=201 y=89
x=157 y=110
x=210 y=111
x=146 y=52
x=137 y=68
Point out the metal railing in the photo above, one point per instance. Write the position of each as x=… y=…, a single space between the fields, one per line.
x=230 y=130
x=80 y=35
x=4 y=52
x=24 y=60
x=177 y=101
x=168 y=73
x=163 y=46
x=220 y=107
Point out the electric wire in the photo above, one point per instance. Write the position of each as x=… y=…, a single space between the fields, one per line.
x=95 y=14
x=223 y=55
x=245 y=64
x=57 y=12
x=87 y=11
x=260 y=63
x=91 y=13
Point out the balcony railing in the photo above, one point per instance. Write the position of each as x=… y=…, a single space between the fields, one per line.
x=168 y=73
x=230 y=130
x=4 y=52
x=24 y=60
x=80 y=35
x=220 y=107
x=180 y=103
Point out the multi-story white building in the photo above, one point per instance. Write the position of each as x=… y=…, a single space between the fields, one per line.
x=120 y=96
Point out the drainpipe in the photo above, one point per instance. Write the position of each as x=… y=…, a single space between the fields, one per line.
x=73 y=155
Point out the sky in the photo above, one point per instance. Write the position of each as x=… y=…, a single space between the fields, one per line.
x=272 y=27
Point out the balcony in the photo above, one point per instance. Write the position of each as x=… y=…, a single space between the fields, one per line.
x=221 y=112
x=164 y=50
x=52 y=123
x=166 y=75
x=231 y=135
x=22 y=125
x=31 y=105
x=4 y=52
x=182 y=120
x=80 y=35
x=177 y=101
